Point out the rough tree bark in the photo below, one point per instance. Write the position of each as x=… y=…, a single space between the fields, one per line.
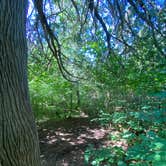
x=18 y=136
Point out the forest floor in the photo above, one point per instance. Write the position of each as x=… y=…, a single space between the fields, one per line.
x=63 y=143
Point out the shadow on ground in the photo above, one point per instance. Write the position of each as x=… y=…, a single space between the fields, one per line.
x=63 y=143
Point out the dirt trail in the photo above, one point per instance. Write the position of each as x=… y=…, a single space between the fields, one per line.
x=63 y=143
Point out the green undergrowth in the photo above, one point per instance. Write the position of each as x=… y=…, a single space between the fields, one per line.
x=143 y=131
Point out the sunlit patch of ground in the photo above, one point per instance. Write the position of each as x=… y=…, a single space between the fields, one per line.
x=63 y=143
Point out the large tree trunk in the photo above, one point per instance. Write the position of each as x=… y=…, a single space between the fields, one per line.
x=18 y=136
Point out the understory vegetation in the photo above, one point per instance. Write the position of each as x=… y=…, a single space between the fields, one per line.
x=134 y=103
x=124 y=90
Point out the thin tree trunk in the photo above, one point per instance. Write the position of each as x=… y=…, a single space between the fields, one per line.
x=18 y=136
x=78 y=96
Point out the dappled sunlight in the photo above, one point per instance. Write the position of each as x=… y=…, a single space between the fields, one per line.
x=73 y=137
x=98 y=133
x=64 y=142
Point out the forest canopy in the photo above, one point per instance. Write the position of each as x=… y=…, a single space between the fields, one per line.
x=119 y=28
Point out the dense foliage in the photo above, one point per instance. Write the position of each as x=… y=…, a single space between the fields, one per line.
x=119 y=73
